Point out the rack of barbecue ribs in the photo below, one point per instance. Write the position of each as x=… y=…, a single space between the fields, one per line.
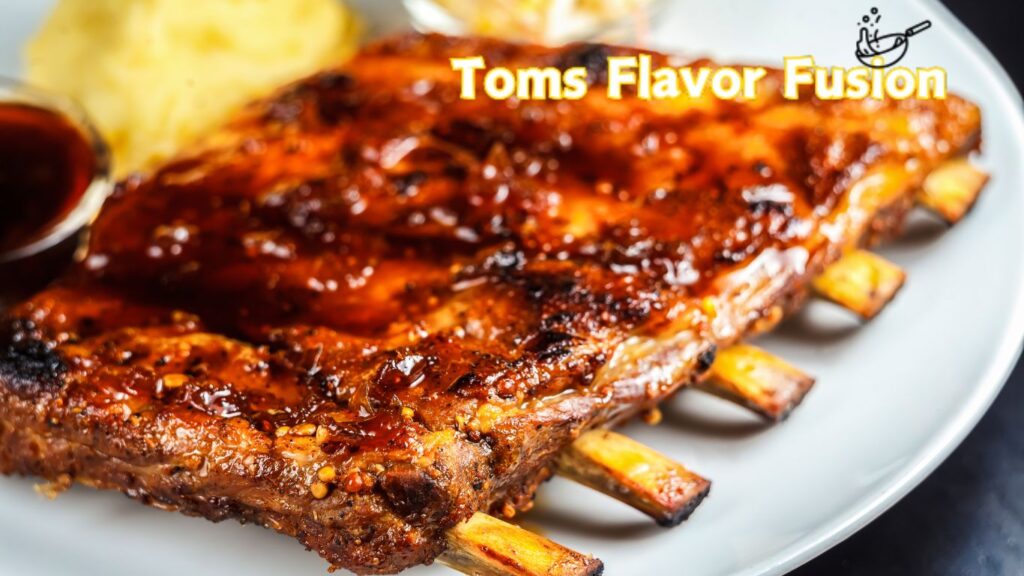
x=374 y=316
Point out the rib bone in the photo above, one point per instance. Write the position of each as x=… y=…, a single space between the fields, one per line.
x=861 y=282
x=951 y=190
x=757 y=380
x=634 y=474
x=486 y=546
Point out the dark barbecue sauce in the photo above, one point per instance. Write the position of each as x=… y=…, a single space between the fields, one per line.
x=46 y=164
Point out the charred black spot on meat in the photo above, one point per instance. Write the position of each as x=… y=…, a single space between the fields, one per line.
x=556 y=320
x=546 y=288
x=331 y=94
x=551 y=345
x=335 y=97
x=706 y=358
x=408 y=184
x=409 y=490
x=464 y=384
x=331 y=81
x=30 y=367
x=593 y=57
x=476 y=136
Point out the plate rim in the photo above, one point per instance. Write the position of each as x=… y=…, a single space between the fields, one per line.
x=1011 y=344
x=951 y=433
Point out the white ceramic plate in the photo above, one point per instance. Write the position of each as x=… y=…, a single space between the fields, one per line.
x=894 y=396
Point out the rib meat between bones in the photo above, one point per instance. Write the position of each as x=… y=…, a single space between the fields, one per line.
x=366 y=308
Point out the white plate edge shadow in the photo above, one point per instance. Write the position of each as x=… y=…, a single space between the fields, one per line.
x=925 y=461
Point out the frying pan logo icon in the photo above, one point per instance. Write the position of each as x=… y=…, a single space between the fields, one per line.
x=886 y=50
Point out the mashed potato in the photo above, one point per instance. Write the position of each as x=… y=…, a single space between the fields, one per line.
x=156 y=74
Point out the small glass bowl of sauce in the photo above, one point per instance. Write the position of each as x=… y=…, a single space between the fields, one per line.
x=54 y=176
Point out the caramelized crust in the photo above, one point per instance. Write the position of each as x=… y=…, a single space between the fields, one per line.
x=367 y=308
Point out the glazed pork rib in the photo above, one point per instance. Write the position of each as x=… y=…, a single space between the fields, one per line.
x=367 y=309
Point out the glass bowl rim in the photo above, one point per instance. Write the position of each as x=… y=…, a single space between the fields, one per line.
x=89 y=203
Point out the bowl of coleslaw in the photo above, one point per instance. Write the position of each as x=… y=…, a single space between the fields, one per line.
x=543 y=21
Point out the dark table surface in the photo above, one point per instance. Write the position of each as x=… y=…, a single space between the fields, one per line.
x=968 y=517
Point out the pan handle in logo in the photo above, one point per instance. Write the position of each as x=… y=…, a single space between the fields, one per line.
x=918 y=28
